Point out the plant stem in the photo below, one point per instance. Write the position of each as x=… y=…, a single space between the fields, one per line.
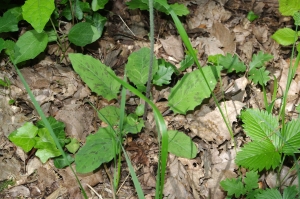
x=148 y=89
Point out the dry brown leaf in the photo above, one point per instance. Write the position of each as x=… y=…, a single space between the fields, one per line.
x=211 y=127
x=225 y=36
x=173 y=46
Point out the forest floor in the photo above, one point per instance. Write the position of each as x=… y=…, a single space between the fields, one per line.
x=214 y=27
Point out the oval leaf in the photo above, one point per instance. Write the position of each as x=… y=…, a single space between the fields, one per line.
x=181 y=145
x=37 y=13
x=83 y=33
x=95 y=75
x=29 y=45
x=99 y=148
x=190 y=91
x=285 y=36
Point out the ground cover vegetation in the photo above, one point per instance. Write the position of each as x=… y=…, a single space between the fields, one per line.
x=275 y=139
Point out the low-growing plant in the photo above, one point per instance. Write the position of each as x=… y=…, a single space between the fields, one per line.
x=273 y=138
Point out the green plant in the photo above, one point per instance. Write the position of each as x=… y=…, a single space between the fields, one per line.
x=273 y=139
x=37 y=136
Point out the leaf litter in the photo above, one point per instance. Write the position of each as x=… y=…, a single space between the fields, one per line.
x=220 y=27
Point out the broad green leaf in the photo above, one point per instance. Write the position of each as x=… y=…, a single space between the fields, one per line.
x=58 y=128
x=261 y=126
x=137 y=67
x=78 y=7
x=251 y=180
x=139 y=111
x=99 y=148
x=231 y=63
x=259 y=76
x=38 y=12
x=258 y=156
x=73 y=146
x=233 y=187
x=259 y=60
x=133 y=124
x=251 y=16
x=191 y=90
x=296 y=18
x=181 y=145
x=163 y=75
x=60 y=162
x=47 y=153
x=98 y=4
x=289 y=7
x=97 y=20
x=285 y=36
x=29 y=45
x=290 y=192
x=95 y=75
x=44 y=139
x=8 y=22
x=110 y=114
x=2 y=44
x=180 y=9
x=10 y=46
x=291 y=137
x=269 y=194
x=83 y=33
x=3 y=83
x=187 y=62
x=24 y=136
x=137 y=4
x=45 y=145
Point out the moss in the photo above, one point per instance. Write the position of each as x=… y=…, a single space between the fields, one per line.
x=4 y=184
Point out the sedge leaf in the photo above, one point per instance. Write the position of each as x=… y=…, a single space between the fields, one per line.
x=181 y=145
x=24 y=136
x=37 y=13
x=99 y=148
x=95 y=75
